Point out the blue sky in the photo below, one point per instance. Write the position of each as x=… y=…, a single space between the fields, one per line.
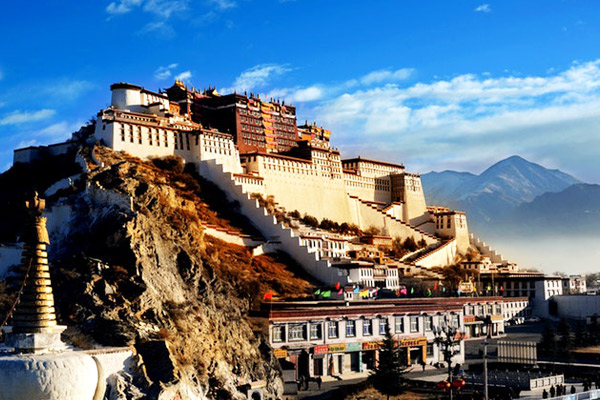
x=432 y=84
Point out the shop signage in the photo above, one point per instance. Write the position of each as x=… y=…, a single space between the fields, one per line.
x=370 y=345
x=420 y=341
x=280 y=353
x=337 y=348
x=497 y=318
x=321 y=349
x=469 y=319
x=353 y=346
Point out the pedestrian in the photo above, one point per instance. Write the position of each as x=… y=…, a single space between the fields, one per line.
x=559 y=390
x=573 y=390
x=319 y=381
x=552 y=391
x=586 y=386
x=545 y=394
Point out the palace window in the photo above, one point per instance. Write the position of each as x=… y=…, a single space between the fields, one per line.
x=333 y=330
x=382 y=325
x=316 y=330
x=350 y=328
x=414 y=324
x=367 y=327
x=297 y=332
x=428 y=323
x=278 y=333
x=122 y=133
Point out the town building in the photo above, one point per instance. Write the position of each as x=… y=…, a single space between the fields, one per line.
x=574 y=284
x=342 y=337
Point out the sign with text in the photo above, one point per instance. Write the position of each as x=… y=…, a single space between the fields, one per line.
x=280 y=353
x=321 y=349
x=420 y=341
x=370 y=345
x=337 y=347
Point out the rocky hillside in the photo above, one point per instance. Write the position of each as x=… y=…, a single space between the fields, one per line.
x=132 y=266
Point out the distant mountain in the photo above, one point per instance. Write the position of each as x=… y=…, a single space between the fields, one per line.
x=495 y=193
x=577 y=208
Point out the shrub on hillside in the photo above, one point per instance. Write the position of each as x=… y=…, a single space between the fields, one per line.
x=169 y=163
x=310 y=221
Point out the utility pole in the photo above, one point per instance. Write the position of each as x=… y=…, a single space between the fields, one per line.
x=447 y=337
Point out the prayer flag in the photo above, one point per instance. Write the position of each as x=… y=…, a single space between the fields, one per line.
x=340 y=292
x=435 y=286
x=403 y=291
x=268 y=296
x=356 y=290
x=317 y=292
x=412 y=290
x=337 y=286
x=428 y=292
x=326 y=294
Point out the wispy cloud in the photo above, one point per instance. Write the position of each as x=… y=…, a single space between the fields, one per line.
x=122 y=6
x=66 y=88
x=163 y=73
x=223 y=4
x=385 y=75
x=21 y=117
x=160 y=8
x=257 y=77
x=160 y=28
x=468 y=120
x=184 y=76
x=484 y=8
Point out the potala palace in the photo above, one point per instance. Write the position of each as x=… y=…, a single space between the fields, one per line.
x=253 y=149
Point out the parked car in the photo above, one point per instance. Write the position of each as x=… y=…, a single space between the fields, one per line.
x=533 y=319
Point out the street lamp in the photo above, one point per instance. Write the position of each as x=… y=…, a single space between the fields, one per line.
x=448 y=338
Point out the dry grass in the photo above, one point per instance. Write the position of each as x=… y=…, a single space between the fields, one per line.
x=372 y=394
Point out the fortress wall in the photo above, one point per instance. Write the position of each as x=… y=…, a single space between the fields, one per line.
x=140 y=140
x=368 y=188
x=303 y=186
x=454 y=225
x=277 y=234
x=442 y=256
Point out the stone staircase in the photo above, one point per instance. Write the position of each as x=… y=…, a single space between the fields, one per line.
x=277 y=235
x=396 y=227
x=486 y=250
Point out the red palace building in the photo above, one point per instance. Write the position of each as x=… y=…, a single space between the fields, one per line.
x=255 y=124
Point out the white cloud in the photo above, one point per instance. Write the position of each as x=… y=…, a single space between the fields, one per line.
x=256 y=77
x=67 y=89
x=224 y=4
x=385 y=75
x=163 y=73
x=161 y=8
x=470 y=119
x=484 y=8
x=122 y=6
x=20 y=117
x=165 y=8
x=184 y=76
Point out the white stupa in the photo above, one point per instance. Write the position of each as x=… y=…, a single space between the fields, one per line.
x=34 y=362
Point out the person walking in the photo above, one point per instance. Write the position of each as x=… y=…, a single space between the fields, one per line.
x=545 y=394
x=573 y=390
x=552 y=391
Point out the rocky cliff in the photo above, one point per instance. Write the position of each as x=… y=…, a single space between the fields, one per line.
x=131 y=266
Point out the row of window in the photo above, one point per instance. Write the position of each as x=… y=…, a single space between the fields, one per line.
x=314 y=330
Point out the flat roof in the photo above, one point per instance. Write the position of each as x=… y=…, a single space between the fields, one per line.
x=359 y=159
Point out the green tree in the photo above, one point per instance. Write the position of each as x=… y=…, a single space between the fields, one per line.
x=410 y=244
x=388 y=376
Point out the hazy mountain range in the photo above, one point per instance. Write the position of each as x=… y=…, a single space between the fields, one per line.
x=516 y=195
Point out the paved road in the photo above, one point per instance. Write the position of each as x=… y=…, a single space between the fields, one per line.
x=327 y=389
